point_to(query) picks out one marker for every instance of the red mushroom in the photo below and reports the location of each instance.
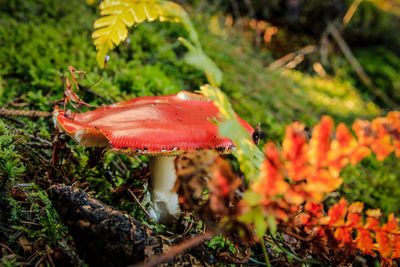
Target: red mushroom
(160, 127)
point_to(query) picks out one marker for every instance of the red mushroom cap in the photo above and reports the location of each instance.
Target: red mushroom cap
(150, 125)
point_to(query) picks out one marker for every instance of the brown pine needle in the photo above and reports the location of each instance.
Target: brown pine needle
(24, 113)
(175, 250)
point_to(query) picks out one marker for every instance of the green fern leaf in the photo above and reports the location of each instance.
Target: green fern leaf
(111, 29)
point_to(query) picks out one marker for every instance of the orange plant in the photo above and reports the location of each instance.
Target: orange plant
(295, 178)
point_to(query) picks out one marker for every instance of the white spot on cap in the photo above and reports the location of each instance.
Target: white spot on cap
(78, 135)
(185, 95)
(55, 115)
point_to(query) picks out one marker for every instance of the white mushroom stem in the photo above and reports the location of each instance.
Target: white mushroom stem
(165, 202)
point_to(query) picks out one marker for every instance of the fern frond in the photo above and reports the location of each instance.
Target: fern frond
(111, 29)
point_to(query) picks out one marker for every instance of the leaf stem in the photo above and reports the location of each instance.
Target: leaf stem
(264, 249)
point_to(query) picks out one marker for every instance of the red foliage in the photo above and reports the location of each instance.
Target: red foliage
(304, 171)
(293, 183)
(346, 221)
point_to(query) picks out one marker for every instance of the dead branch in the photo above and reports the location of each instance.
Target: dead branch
(24, 113)
(174, 251)
(350, 12)
(357, 67)
(291, 57)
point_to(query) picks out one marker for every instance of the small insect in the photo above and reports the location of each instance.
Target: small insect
(257, 134)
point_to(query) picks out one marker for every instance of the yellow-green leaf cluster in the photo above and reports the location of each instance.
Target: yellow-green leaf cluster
(118, 15)
(248, 154)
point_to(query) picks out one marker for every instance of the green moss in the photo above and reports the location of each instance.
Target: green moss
(374, 183)
(335, 96)
(384, 67)
(10, 164)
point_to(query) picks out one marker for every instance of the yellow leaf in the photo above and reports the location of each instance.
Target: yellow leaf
(119, 14)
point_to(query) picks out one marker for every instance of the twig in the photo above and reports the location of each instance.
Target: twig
(175, 250)
(17, 141)
(287, 58)
(119, 168)
(357, 67)
(29, 261)
(140, 204)
(35, 138)
(6, 247)
(23, 125)
(24, 113)
(297, 236)
(32, 223)
(350, 12)
(90, 91)
(38, 145)
(48, 252)
(187, 231)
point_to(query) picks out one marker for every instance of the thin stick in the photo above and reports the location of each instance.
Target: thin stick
(35, 138)
(87, 88)
(358, 68)
(6, 247)
(48, 252)
(175, 250)
(350, 12)
(287, 58)
(140, 204)
(24, 113)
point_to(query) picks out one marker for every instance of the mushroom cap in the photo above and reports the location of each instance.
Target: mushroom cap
(154, 125)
